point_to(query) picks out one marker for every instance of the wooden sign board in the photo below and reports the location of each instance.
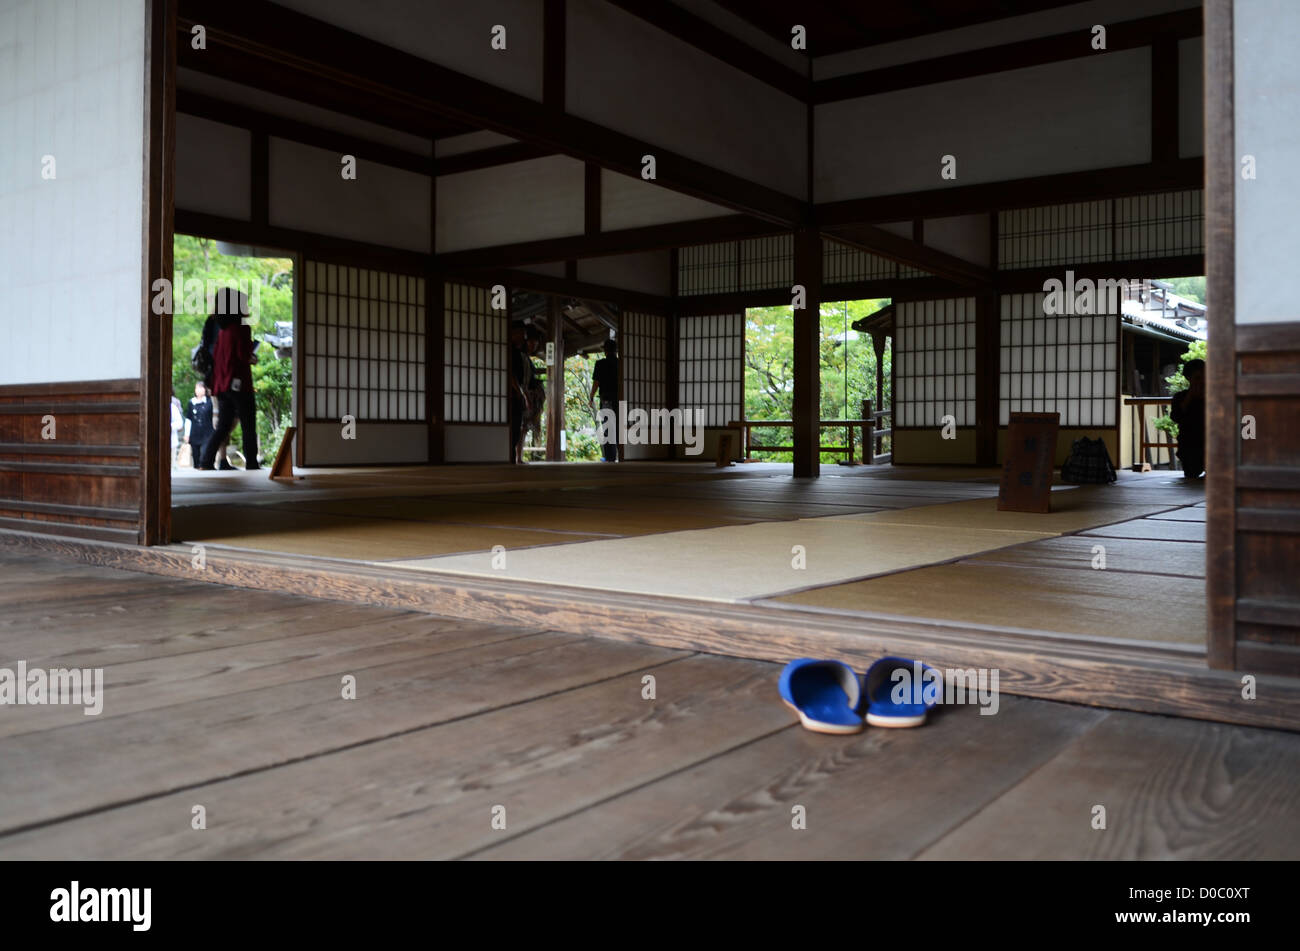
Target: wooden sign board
(283, 467)
(1027, 470)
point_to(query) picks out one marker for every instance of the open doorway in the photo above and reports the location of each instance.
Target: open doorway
(204, 268)
(564, 338)
(855, 379)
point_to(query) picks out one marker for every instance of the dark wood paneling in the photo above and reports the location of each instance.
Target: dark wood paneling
(1266, 498)
(84, 482)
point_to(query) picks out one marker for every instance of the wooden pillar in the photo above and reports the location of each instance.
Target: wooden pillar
(434, 366)
(435, 299)
(987, 340)
(555, 386)
(878, 404)
(807, 353)
(159, 216)
(1223, 422)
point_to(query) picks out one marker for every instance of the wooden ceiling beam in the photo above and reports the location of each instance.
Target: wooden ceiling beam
(383, 77)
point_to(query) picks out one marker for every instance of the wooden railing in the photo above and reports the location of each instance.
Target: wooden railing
(870, 439)
(1141, 444)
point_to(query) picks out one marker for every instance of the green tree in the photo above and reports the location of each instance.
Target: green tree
(848, 369)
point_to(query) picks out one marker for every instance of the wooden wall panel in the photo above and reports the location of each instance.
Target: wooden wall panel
(84, 482)
(1267, 498)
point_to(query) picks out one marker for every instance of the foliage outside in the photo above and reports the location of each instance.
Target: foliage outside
(848, 373)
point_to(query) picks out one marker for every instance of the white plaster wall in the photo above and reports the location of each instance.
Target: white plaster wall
(1044, 120)
(627, 202)
(452, 33)
(376, 443)
(636, 79)
(71, 248)
(213, 169)
(476, 443)
(383, 205)
(649, 272)
(1267, 109)
(965, 237)
(1191, 97)
(506, 204)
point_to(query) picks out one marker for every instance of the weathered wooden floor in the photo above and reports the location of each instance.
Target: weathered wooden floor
(232, 700)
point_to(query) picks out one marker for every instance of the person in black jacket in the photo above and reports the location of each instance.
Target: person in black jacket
(199, 414)
(604, 380)
(1188, 411)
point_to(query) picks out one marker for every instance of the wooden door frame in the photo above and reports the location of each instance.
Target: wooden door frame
(1221, 367)
(158, 226)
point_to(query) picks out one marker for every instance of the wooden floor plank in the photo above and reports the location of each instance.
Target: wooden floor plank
(430, 794)
(186, 677)
(1122, 554)
(56, 773)
(881, 794)
(1154, 529)
(1089, 603)
(1191, 513)
(1171, 788)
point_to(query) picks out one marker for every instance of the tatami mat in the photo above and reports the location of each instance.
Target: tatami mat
(1061, 600)
(736, 562)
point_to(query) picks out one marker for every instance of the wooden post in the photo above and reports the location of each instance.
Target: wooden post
(555, 386)
(807, 353)
(869, 430)
(987, 340)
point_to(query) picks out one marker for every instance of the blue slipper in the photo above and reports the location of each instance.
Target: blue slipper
(899, 693)
(825, 694)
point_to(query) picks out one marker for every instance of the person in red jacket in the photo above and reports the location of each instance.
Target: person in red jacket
(232, 379)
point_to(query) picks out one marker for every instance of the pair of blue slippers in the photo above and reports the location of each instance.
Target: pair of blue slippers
(829, 698)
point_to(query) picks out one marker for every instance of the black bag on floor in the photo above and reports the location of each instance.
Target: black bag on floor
(1089, 463)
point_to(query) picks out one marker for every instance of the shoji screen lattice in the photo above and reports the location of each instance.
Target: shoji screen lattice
(1170, 224)
(1065, 364)
(475, 356)
(934, 362)
(712, 369)
(363, 344)
(643, 343)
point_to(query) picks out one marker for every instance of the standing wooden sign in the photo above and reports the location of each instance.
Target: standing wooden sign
(1027, 469)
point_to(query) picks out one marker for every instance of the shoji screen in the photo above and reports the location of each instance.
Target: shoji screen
(1154, 226)
(712, 370)
(1065, 364)
(934, 362)
(767, 263)
(1170, 224)
(475, 356)
(643, 344)
(363, 344)
(707, 269)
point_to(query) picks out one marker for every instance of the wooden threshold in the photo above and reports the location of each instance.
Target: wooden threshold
(1145, 678)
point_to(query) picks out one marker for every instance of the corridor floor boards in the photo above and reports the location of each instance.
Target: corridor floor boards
(453, 719)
